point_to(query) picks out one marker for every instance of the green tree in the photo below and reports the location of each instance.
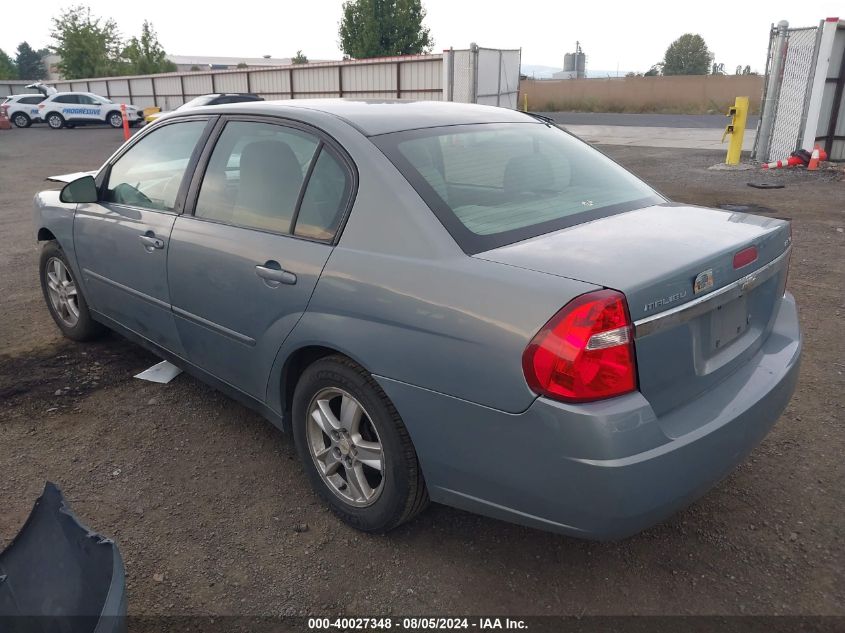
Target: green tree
(88, 46)
(654, 71)
(242, 65)
(376, 28)
(687, 55)
(29, 63)
(7, 66)
(145, 55)
(299, 58)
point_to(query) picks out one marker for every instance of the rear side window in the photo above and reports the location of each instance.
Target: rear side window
(495, 184)
(150, 173)
(255, 174)
(31, 100)
(274, 178)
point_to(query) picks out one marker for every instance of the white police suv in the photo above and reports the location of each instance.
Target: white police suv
(67, 109)
(22, 110)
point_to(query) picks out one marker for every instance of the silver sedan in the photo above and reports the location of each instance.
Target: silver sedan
(443, 302)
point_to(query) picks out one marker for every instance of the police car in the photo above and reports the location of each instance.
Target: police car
(22, 110)
(67, 109)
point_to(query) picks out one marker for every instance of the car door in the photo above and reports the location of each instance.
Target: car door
(242, 267)
(121, 241)
(90, 109)
(66, 105)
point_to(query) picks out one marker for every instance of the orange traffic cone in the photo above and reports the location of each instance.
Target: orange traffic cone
(814, 160)
(792, 161)
(5, 124)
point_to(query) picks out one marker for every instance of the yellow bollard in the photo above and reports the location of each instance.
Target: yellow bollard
(525, 102)
(736, 128)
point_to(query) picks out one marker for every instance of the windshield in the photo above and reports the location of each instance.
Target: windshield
(495, 184)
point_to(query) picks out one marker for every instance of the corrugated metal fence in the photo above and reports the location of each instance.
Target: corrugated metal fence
(402, 77)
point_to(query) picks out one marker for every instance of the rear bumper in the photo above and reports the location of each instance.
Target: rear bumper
(602, 470)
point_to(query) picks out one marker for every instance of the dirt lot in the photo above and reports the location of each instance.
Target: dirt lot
(204, 497)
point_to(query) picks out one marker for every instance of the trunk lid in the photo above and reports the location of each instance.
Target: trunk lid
(654, 256)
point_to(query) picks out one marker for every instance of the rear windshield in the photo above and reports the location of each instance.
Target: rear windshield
(494, 184)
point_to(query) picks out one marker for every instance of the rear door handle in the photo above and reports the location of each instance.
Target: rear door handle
(150, 241)
(272, 273)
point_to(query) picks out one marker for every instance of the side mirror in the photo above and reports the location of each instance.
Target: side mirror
(80, 190)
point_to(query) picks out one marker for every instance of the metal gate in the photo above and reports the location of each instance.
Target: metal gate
(830, 132)
(790, 66)
(803, 96)
(489, 76)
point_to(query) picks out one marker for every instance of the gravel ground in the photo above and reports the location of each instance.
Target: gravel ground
(214, 516)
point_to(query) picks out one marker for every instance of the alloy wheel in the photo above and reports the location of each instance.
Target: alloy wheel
(345, 447)
(63, 293)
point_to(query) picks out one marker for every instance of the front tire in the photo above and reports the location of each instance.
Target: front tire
(115, 119)
(355, 449)
(64, 297)
(20, 119)
(55, 120)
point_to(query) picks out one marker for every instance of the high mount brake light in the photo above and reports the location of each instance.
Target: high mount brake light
(585, 352)
(745, 256)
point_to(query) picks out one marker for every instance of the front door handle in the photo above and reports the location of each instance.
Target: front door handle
(150, 241)
(273, 275)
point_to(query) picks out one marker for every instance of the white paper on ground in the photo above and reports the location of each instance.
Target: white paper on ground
(162, 372)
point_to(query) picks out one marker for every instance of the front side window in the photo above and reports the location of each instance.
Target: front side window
(66, 99)
(495, 184)
(150, 173)
(255, 175)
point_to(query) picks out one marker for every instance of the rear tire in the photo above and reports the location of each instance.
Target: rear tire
(369, 474)
(64, 297)
(20, 119)
(55, 121)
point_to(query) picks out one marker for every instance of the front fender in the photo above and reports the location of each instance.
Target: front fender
(56, 217)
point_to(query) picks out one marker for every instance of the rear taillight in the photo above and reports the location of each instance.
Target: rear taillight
(586, 351)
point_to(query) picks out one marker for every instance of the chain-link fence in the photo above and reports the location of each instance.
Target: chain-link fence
(794, 90)
(489, 76)
(789, 75)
